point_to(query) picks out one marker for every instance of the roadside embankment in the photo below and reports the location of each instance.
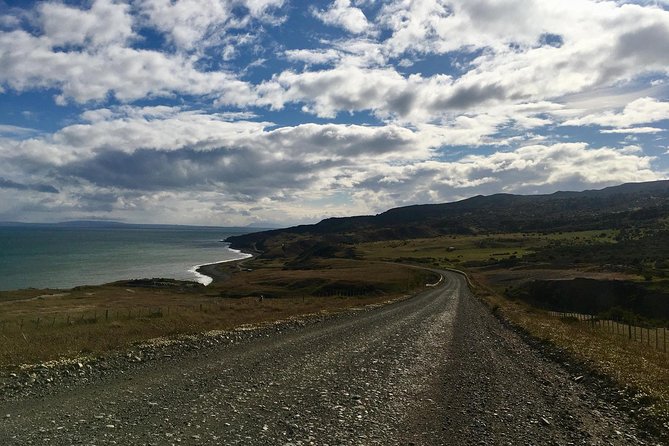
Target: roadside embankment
(632, 375)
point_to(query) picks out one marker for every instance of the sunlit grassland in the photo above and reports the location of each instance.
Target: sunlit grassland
(455, 249)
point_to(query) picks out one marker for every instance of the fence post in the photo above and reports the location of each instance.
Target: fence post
(107, 314)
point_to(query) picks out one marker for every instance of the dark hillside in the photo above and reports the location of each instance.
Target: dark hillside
(624, 206)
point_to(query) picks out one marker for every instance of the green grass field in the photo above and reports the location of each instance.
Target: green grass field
(457, 249)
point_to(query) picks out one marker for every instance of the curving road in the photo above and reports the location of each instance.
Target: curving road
(436, 369)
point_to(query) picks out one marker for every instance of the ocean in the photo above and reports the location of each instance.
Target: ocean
(61, 256)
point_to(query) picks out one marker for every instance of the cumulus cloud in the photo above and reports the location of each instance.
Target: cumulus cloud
(510, 64)
(89, 54)
(28, 62)
(641, 111)
(123, 155)
(168, 129)
(517, 49)
(9, 184)
(634, 130)
(313, 57)
(194, 109)
(530, 169)
(106, 22)
(341, 13)
(188, 23)
(326, 92)
(390, 96)
(563, 164)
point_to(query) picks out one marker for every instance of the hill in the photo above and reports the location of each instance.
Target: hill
(624, 206)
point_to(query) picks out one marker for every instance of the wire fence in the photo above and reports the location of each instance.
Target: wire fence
(652, 337)
(101, 315)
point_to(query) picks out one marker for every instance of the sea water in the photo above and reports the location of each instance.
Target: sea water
(64, 257)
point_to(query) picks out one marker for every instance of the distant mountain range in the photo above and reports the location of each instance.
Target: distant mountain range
(617, 206)
(108, 224)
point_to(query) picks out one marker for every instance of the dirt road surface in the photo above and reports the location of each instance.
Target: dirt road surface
(436, 369)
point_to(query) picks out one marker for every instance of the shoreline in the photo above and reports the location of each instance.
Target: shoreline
(207, 273)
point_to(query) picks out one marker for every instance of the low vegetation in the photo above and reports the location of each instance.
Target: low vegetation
(322, 278)
(39, 325)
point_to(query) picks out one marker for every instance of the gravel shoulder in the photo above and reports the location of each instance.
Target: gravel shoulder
(436, 369)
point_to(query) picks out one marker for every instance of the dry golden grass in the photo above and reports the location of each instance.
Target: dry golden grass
(40, 343)
(39, 325)
(629, 364)
(326, 277)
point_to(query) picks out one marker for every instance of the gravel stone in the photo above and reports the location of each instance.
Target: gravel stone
(435, 369)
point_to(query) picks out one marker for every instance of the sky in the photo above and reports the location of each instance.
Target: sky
(259, 112)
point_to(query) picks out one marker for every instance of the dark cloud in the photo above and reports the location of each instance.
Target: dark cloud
(97, 201)
(333, 140)
(245, 174)
(403, 103)
(9, 184)
(646, 45)
(466, 97)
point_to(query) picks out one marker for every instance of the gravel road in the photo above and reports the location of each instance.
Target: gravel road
(436, 369)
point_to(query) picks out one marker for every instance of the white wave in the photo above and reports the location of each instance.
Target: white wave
(206, 280)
